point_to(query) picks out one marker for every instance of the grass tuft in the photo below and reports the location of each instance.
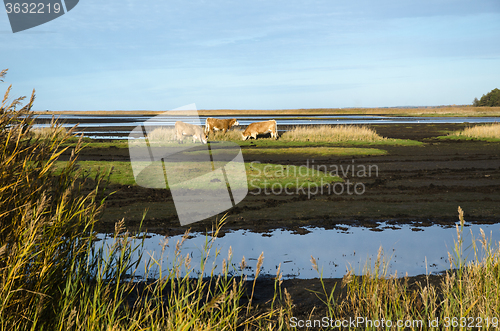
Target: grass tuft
(53, 131)
(326, 133)
(162, 134)
(488, 131)
(232, 134)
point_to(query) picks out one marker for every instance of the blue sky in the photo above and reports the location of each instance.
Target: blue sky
(159, 55)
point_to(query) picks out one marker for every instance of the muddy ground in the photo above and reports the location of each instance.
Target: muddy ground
(417, 185)
(421, 185)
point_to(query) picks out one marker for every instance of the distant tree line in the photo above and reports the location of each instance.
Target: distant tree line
(492, 99)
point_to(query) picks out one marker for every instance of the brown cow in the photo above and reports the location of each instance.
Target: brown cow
(186, 129)
(212, 124)
(257, 128)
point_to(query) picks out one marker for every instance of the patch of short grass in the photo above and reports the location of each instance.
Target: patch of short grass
(89, 143)
(316, 151)
(282, 143)
(305, 151)
(119, 172)
(261, 142)
(261, 174)
(277, 176)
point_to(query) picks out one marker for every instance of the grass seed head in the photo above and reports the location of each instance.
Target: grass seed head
(243, 263)
(260, 260)
(314, 263)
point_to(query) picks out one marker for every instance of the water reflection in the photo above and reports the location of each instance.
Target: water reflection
(406, 248)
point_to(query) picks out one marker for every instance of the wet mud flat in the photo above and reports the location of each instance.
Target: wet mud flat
(420, 185)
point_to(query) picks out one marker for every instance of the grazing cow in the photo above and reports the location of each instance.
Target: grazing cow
(212, 124)
(186, 129)
(257, 128)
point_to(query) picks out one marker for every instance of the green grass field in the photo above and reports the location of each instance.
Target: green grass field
(259, 175)
(464, 138)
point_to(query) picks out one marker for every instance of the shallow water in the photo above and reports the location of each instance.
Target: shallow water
(90, 124)
(406, 249)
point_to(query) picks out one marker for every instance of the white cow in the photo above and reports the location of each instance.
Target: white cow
(186, 129)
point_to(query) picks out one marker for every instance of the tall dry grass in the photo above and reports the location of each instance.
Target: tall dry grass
(467, 297)
(167, 134)
(174, 298)
(327, 133)
(162, 134)
(230, 135)
(54, 276)
(45, 219)
(488, 131)
(53, 131)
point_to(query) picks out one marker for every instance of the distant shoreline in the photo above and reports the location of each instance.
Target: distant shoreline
(454, 111)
